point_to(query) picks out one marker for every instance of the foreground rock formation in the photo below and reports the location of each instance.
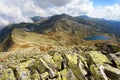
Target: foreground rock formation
(76, 63)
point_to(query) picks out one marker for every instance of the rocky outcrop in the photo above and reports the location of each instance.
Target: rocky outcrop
(108, 47)
(59, 64)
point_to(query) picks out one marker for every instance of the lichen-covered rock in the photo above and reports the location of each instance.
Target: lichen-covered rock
(67, 74)
(44, 76)
(39, 66)
(117, 54)
(35, 76)
(22, 70)
(7, 74)
(49, 60)
(96, 57)
(52, 71)
(111, 72)
(82, 67)
(107, 47)
(115, 59)
(65, 64)
(73, 65)
(23, 73)
(58, 60)
(83, 60)
(115, 47)
(98, 72)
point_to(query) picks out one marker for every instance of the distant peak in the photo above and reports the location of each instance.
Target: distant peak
(36, 18)
(62, 16)
(83, 16)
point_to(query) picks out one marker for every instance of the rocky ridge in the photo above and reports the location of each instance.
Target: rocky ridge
(73, 63)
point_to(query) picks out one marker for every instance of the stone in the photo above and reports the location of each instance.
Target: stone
(115, 59)
(115, 47)
(111, 72)
(8, 74)
(96, 57)
(58, 60)
(98, 73)
(52, 72)
(39, 65)
(73, 65)
(67, 74)
(49, 60)
(107, 47)
(82, 68)
(83, 60)
(117, 54)
(22, 71)
(44, 76)
(34, 74)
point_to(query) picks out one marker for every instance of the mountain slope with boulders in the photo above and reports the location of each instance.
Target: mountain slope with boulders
(54, 48)
(61, 63)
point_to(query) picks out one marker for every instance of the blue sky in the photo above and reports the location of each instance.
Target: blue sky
(108, 9)
(105, 2)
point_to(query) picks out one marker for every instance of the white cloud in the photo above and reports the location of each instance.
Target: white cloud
(74, 7)
(16, 11)
(113, 12)
(3, 22)
(108, 12)
(45, 3)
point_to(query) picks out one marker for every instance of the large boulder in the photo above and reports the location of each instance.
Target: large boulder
(98, 72)
(111, 72)
(22, 72)
(115, 59)
(7, 74)
(44, 76)
(73, 64)
(96, 57)
(39, 66)
(57, 57)
(117, 54)
(107, 47)
(67, 74)
(34, 74)
(51, 70)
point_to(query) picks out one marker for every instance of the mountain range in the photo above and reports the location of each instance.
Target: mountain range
(61, 47)
(62, 29)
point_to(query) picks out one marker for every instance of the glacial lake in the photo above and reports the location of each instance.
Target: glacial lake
(97, 38)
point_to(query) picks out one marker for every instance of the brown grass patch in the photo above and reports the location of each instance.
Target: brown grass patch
(2, 58)
(45, 48)
(25, 46)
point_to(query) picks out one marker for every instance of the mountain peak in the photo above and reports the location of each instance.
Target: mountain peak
(61, 16)
(84, 17)
(36, 18)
